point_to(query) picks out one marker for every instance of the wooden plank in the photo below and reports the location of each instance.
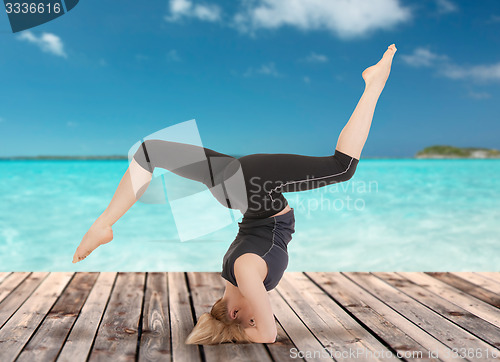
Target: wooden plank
(155, 337)
(280, 350)
(17, 297)
(79, 341)
(11, 282)
(468, 321)
(3, 275)
(456, 296)
(468, 287)
(495, 276)
(118, 333)
(410, 341)
(480, 280)
(50, 336)
(19, 328)
(304, 340)
(332, 326)
(181, 319)
(447, 332)
(205, 289)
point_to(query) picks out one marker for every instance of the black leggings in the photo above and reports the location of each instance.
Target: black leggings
(252, 184)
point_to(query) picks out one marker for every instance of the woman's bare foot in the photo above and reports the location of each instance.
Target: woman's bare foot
(376, 75)
(97, 235)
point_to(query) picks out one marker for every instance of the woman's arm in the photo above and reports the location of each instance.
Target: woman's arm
(250, 271)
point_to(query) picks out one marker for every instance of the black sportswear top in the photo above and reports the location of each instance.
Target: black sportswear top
(268, 238)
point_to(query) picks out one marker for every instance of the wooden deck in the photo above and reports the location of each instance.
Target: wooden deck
(348, 316)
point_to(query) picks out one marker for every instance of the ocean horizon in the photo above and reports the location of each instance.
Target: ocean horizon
(403, 214)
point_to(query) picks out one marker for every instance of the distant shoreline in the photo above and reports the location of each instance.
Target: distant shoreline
(63, 158)
(119, 158)
(104, 158)
(66, 158)
(432, 152)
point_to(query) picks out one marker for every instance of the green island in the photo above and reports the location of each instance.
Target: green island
(440, 151)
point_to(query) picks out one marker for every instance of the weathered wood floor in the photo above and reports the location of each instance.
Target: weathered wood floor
(341, 316)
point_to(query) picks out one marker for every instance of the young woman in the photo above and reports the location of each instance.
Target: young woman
(257, 258)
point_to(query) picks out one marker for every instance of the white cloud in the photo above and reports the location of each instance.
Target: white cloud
(186, 8)
(47, 42)
(71, 124)
(477, 72)
(316, 58)
(446, 6)
(494, 19)
(180, 6)
(173, 56)
(2, 120)
(265, 69)
(346, 18)
(307, 80)
(479, 95)
(423, 57)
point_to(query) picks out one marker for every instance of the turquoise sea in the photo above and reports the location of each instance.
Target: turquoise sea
(394, 214)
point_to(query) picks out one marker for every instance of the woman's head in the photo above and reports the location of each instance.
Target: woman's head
(218, 326)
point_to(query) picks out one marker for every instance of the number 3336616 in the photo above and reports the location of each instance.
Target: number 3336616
(32, 8)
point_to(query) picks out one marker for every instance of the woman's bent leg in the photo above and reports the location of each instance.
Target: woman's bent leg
(189, 161)
(131, 187)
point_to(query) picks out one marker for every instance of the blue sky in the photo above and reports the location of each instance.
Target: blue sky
(257, 75)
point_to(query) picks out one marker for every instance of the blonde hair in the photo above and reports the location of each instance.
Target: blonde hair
(216, 327)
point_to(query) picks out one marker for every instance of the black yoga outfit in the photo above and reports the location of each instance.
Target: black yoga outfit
(268, 238)
(254, 185)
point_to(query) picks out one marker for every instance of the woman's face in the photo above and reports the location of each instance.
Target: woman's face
(243, 314)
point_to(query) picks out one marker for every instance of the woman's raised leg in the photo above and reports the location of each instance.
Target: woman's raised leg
(354, 134)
